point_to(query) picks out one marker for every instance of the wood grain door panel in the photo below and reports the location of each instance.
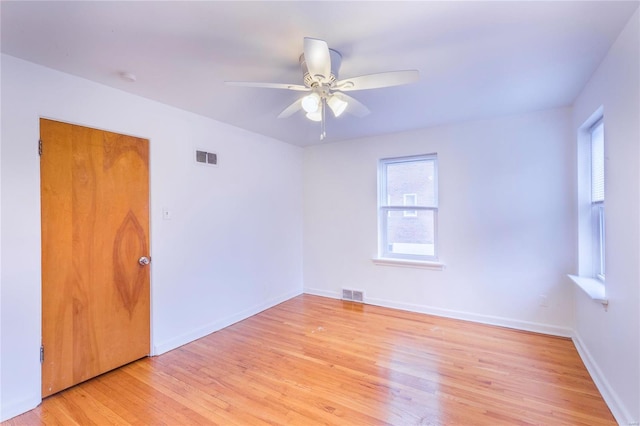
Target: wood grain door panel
(95, 227)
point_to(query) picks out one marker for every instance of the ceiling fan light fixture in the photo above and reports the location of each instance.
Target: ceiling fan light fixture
(315, 115)
(311, 103)
(320, 66)
(337, 105)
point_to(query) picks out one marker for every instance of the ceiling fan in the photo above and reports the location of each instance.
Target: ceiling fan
(320, 66)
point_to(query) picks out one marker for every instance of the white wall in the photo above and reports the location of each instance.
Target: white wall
(609, 340)
(505, 221)
(233, 247)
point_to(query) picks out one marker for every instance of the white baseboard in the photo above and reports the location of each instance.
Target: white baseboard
(621, 414)
(323, 293)
(20, 407)
(220, 324)
(467, 316)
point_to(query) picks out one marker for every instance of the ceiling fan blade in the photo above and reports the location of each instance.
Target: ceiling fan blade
(354, 106)
(318, 59)
(296, 87)
(375, 81)
(291, 109)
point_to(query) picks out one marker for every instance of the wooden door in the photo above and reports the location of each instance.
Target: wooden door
(95, 228)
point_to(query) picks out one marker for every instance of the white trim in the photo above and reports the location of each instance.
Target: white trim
(594, 288)
(535, 327)
(323, 293)
(434, 265)
(620, 413)
(218, 325)
(479, 318)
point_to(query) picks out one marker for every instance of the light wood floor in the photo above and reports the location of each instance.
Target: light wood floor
(313, 360)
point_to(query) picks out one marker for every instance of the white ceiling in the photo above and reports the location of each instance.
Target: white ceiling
(476, 59)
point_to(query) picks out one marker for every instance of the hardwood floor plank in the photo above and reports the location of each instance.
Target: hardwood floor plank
(317, 361)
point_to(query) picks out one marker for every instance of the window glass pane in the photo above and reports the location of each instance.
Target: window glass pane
(597, 163)
(410, 232)
(414, 178)
(600, 243)
(410, 200)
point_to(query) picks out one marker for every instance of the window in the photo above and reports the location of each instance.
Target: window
(408, 233)
(597, 198)
(591, 209)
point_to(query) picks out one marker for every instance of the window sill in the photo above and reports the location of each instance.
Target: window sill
(433, 265)
(592, 287)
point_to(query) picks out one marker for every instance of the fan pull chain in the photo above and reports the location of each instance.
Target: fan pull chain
(323, 130)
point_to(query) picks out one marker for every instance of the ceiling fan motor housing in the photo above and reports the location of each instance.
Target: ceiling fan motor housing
(336, 61)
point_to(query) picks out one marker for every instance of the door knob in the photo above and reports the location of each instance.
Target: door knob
(144, 260)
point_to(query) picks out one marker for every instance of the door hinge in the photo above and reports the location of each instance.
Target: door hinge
(40, 147)
(41, 354)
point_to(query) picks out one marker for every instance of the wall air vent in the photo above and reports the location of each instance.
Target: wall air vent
(206, 158)
(353, 295)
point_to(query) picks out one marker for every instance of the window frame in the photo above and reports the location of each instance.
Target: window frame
(385, 208)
